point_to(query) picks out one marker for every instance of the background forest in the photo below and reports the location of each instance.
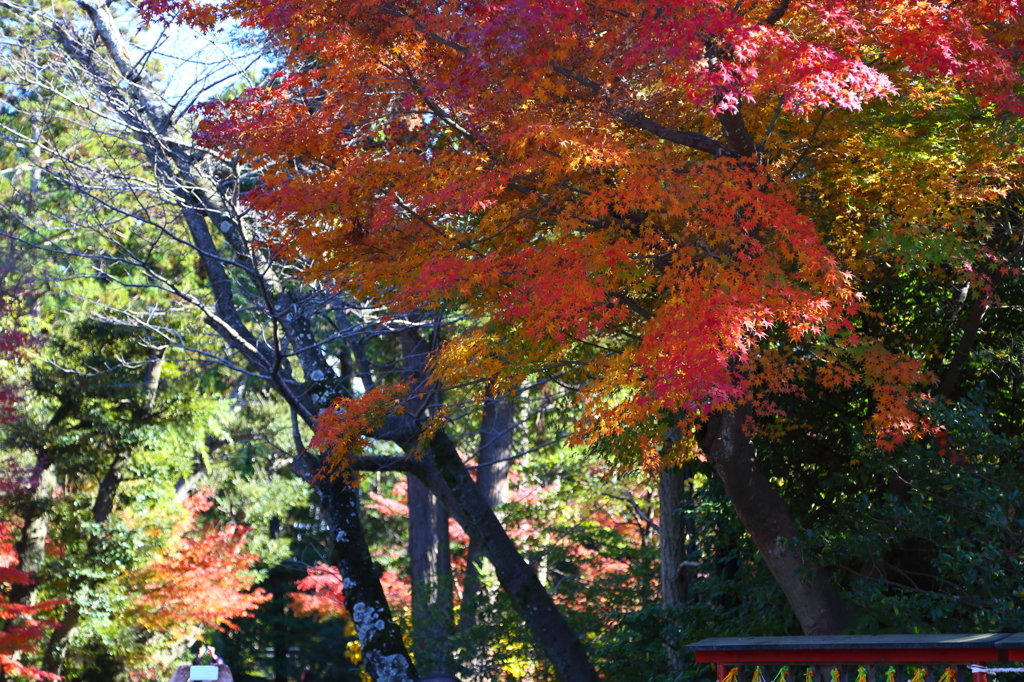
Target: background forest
(372, 340)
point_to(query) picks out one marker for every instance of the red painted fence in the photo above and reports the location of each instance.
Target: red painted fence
(840, 653)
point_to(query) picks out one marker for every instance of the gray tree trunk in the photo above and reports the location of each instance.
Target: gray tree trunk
(431, 573)
(384, 653)
(493, 456)
(493, 465)
(31, 547)
(808, 589)
(672, 487)
(429, 549)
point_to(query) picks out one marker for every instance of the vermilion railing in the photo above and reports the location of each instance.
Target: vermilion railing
(859, 658)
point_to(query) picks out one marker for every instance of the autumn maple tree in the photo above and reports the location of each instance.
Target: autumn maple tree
(203, 577)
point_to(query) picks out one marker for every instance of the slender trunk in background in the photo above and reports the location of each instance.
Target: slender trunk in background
(971, 326)
(493, 457)
(151, 379)
(31, 548)
(493, 464)
(808, 589)
(280, 629)
(672, 488)
(430, 567)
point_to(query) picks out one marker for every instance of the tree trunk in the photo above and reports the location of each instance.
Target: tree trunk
(493, 464)
(107, 492)
(496, 431)
(31, 548)
(549, 628)
(672, 535)
(971, 326)
(672, 547)
(763, 513)
(384, 655)
(280, 630)
(52, 656)
(432, 585)
(151, 379)
(429, 552)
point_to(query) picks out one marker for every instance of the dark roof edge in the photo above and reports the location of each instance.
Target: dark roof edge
(950, 641)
